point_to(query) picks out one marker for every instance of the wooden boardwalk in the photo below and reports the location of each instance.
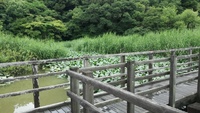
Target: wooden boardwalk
(185, 92)
(141, 91)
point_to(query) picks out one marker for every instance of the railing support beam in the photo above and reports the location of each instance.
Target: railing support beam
(198, 86)
(86, 62)
(88, 93)
(150, 66)
(74, 87)
(130, 85)
(189, 59)
(172, 80)
(122, 70)
(35, 82)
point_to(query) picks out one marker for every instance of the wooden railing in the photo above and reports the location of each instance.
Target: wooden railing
(127, 75)
(132, 79)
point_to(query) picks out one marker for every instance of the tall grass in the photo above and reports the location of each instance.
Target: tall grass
(20, 49)
(111, 43)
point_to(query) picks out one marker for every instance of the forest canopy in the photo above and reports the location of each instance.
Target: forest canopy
(72, 19)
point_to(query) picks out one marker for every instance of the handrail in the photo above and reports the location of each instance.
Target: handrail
(31, 76)
(39, 61)
(95, 68)
(102, 67)
(92, 57)
(84, 103)
(33, 90)
(151, 61)
(140, 101)
(143, 53)
(188, 56)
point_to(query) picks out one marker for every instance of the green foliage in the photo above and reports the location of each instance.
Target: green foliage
(72, 19)
(15, 49)
(49, 28)
(190, 18)
(33, 19)
(112, 43)
(20, 49)
(190, 4)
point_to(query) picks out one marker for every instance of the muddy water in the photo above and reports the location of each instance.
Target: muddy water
(22, 103)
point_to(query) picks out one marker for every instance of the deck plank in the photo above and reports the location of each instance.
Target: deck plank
(47, 111)
(54, 111)
(182, 90)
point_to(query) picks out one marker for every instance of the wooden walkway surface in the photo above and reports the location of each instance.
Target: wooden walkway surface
(171, 68)
(184, 91)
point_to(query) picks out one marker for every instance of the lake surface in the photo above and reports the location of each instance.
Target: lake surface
(21, 103)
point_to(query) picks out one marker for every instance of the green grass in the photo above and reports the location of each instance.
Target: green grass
(15, 48)
(111, 43)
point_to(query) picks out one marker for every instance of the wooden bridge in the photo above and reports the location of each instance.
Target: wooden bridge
(170, 82)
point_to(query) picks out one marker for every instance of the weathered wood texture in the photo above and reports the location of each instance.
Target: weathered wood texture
(32, 76)
(114, 106)
(35, 82)
(198, 86)
(150, 66)
(172, 81)
(152, 61)
(93, 57)
(130, 76)
(33, 90)
(74, 88)
(130, 84)
(187, 56)
(47, 107)
(151, 70)
(98, 68)
(86, 62)
(122, 70)
(143, 53)
(85, 104)
(88, 91)
(128, 96)
(189, 59)
(38, 62)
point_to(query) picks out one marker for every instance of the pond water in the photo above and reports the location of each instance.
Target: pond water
(22, 103)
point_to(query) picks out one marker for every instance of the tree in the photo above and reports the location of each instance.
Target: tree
(190, 4)
(190, 18)
(34, 19)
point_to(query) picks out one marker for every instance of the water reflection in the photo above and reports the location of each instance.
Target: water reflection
(19, 104)
(19, 108)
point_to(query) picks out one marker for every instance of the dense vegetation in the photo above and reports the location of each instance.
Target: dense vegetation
(71, 19)
(13, 49)
(19, 49)
(115, 25)
(112, 43)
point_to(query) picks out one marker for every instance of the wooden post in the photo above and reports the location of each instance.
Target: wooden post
(150, 66)
(189, 59)
(86, 62)
(122, 70)
(88, 89)
(172, 82)
(74, 87)
(198, 85)
(35, 83)
(130, 84)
